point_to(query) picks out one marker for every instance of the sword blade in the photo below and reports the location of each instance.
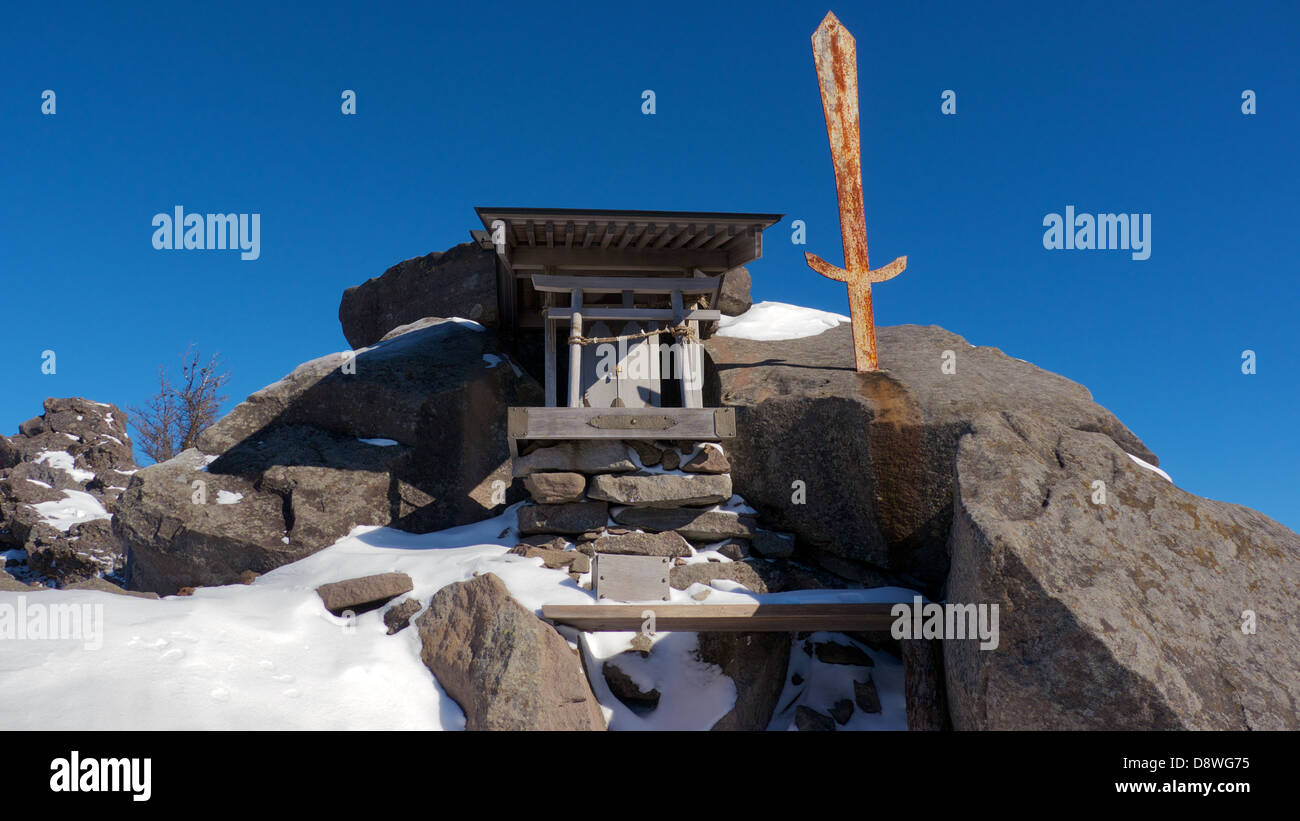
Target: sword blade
(836, 55)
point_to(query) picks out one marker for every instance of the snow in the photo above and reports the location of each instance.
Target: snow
(225, 497)
(491, 359)
(825, 684)
(771, 321)
(62, 460)
(381, 443)
(75, 508)
(1151, 468)
(41, 484)
(269, 656)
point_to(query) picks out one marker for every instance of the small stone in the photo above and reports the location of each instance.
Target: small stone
(186, 591)
(644, 544)
(661, 489)
(684, 576)
(809, 720)
(555, 488)
(833, 652)
(671, 460)
(581, 563)
(585, 456)
(247, 577)
(648, 453)
(842, 711)
(553, 559)
(398, 617)
(708, 460)
(364, 593)
(573, 517)
(701, 594)
(626, 690)
(733, 549)
(696, 525)
(544, 540)
(773, 545)
(104, 586)
(796, 679)
(864, 692)
(641, 643)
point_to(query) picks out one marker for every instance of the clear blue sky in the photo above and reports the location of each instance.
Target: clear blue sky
(1132, 107)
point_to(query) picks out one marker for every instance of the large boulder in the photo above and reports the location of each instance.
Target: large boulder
(505, 667)
(1117, 612)
(409, 432)
(60, 479)
(461, 281)
(859, 466)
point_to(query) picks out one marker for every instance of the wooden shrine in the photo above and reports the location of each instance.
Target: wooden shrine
(619, 297)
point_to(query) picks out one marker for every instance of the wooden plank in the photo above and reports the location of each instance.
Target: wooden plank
(771, 618)
(661, 314)
(700, 424)
(615, 284)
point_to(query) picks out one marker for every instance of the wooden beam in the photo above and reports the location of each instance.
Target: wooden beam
(589, 235)
(616, 285)
(623, 258)
(693, 618)
(629, 234)
(669, 234)
(722, 238)
(568, 235)
(646, 240)
(550, 235)
(700, 424)
(532, 233)
(625, 314)
(704, 236)
(610, 230)
(685, 236)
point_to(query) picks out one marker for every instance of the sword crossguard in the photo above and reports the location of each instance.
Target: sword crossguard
(838, 274)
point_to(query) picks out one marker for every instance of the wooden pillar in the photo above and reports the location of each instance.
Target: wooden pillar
(575, 351)
(551, 353)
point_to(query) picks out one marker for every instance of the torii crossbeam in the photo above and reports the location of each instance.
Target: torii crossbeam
(836, 55)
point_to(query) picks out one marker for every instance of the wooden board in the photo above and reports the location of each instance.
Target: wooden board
(616, 284)
(772, 618)
(637, 385)
(599, 379)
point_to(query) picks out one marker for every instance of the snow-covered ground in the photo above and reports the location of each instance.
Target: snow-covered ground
(771, 321)
(269, 656)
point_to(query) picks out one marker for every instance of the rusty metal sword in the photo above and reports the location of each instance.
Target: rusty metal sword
(836, 54)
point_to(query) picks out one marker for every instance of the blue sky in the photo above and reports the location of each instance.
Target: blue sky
(1110, 107)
